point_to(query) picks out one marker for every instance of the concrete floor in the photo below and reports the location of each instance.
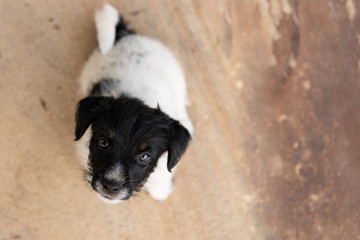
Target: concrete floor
(274, 86)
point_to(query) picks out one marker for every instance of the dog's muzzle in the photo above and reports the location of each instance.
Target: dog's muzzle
(112, 191)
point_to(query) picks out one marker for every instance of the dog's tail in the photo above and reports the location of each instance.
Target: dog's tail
(110, 27)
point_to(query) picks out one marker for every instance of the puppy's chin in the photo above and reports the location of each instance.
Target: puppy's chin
(124, 195)
(107, 200)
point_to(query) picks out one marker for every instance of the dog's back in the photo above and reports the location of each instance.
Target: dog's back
(135, 65)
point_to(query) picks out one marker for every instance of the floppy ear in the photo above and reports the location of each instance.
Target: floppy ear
(178, 142)
(85, 114)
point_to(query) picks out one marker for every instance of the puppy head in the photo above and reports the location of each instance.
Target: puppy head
(127, 140)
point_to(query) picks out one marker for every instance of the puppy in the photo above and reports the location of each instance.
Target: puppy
(132, 126)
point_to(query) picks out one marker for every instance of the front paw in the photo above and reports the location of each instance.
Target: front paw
(160, 192)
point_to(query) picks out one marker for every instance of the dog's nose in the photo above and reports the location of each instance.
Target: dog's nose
(112, 187)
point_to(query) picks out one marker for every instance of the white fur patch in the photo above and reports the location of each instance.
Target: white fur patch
(116, 173)
(82, 148)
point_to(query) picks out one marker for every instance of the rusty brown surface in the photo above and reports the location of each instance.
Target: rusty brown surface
(274, 87)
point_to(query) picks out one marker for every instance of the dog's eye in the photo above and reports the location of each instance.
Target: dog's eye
(103, 143)
(145, 158)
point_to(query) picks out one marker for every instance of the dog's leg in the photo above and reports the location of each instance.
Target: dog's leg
(160, 183)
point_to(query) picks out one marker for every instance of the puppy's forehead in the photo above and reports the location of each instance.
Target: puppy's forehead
(131, 120)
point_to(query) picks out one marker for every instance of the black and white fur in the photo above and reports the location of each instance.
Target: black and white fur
(132, 125)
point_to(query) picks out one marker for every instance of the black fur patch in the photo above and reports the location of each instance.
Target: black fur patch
(104, 87)
(122, 30)
(131, 124)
